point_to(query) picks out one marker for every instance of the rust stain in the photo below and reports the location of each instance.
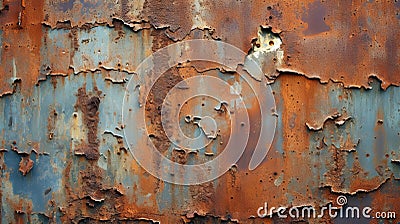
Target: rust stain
(22, 36)
(25, 165)
(153, 108)
(88, 105)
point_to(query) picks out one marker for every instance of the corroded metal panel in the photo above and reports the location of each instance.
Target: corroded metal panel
(333, 68)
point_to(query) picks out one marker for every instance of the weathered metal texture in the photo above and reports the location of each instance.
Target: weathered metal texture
(64, 68)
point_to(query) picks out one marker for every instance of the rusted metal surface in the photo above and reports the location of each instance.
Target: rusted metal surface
(64, 66)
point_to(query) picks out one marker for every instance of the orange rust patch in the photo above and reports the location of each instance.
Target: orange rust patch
(89, 104)
(25, 165)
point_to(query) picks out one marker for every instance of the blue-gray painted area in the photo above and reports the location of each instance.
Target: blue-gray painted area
(124, 49)
(369, 138)
(26, 125)
(36, 184)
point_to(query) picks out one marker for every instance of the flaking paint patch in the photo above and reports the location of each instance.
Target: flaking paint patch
(237, 182)
(345, 47)
(266, 51)
(319, 126)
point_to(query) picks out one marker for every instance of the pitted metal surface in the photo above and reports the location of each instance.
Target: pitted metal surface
(65, 65)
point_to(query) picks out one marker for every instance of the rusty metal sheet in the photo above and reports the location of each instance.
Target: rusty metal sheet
(66, 67)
